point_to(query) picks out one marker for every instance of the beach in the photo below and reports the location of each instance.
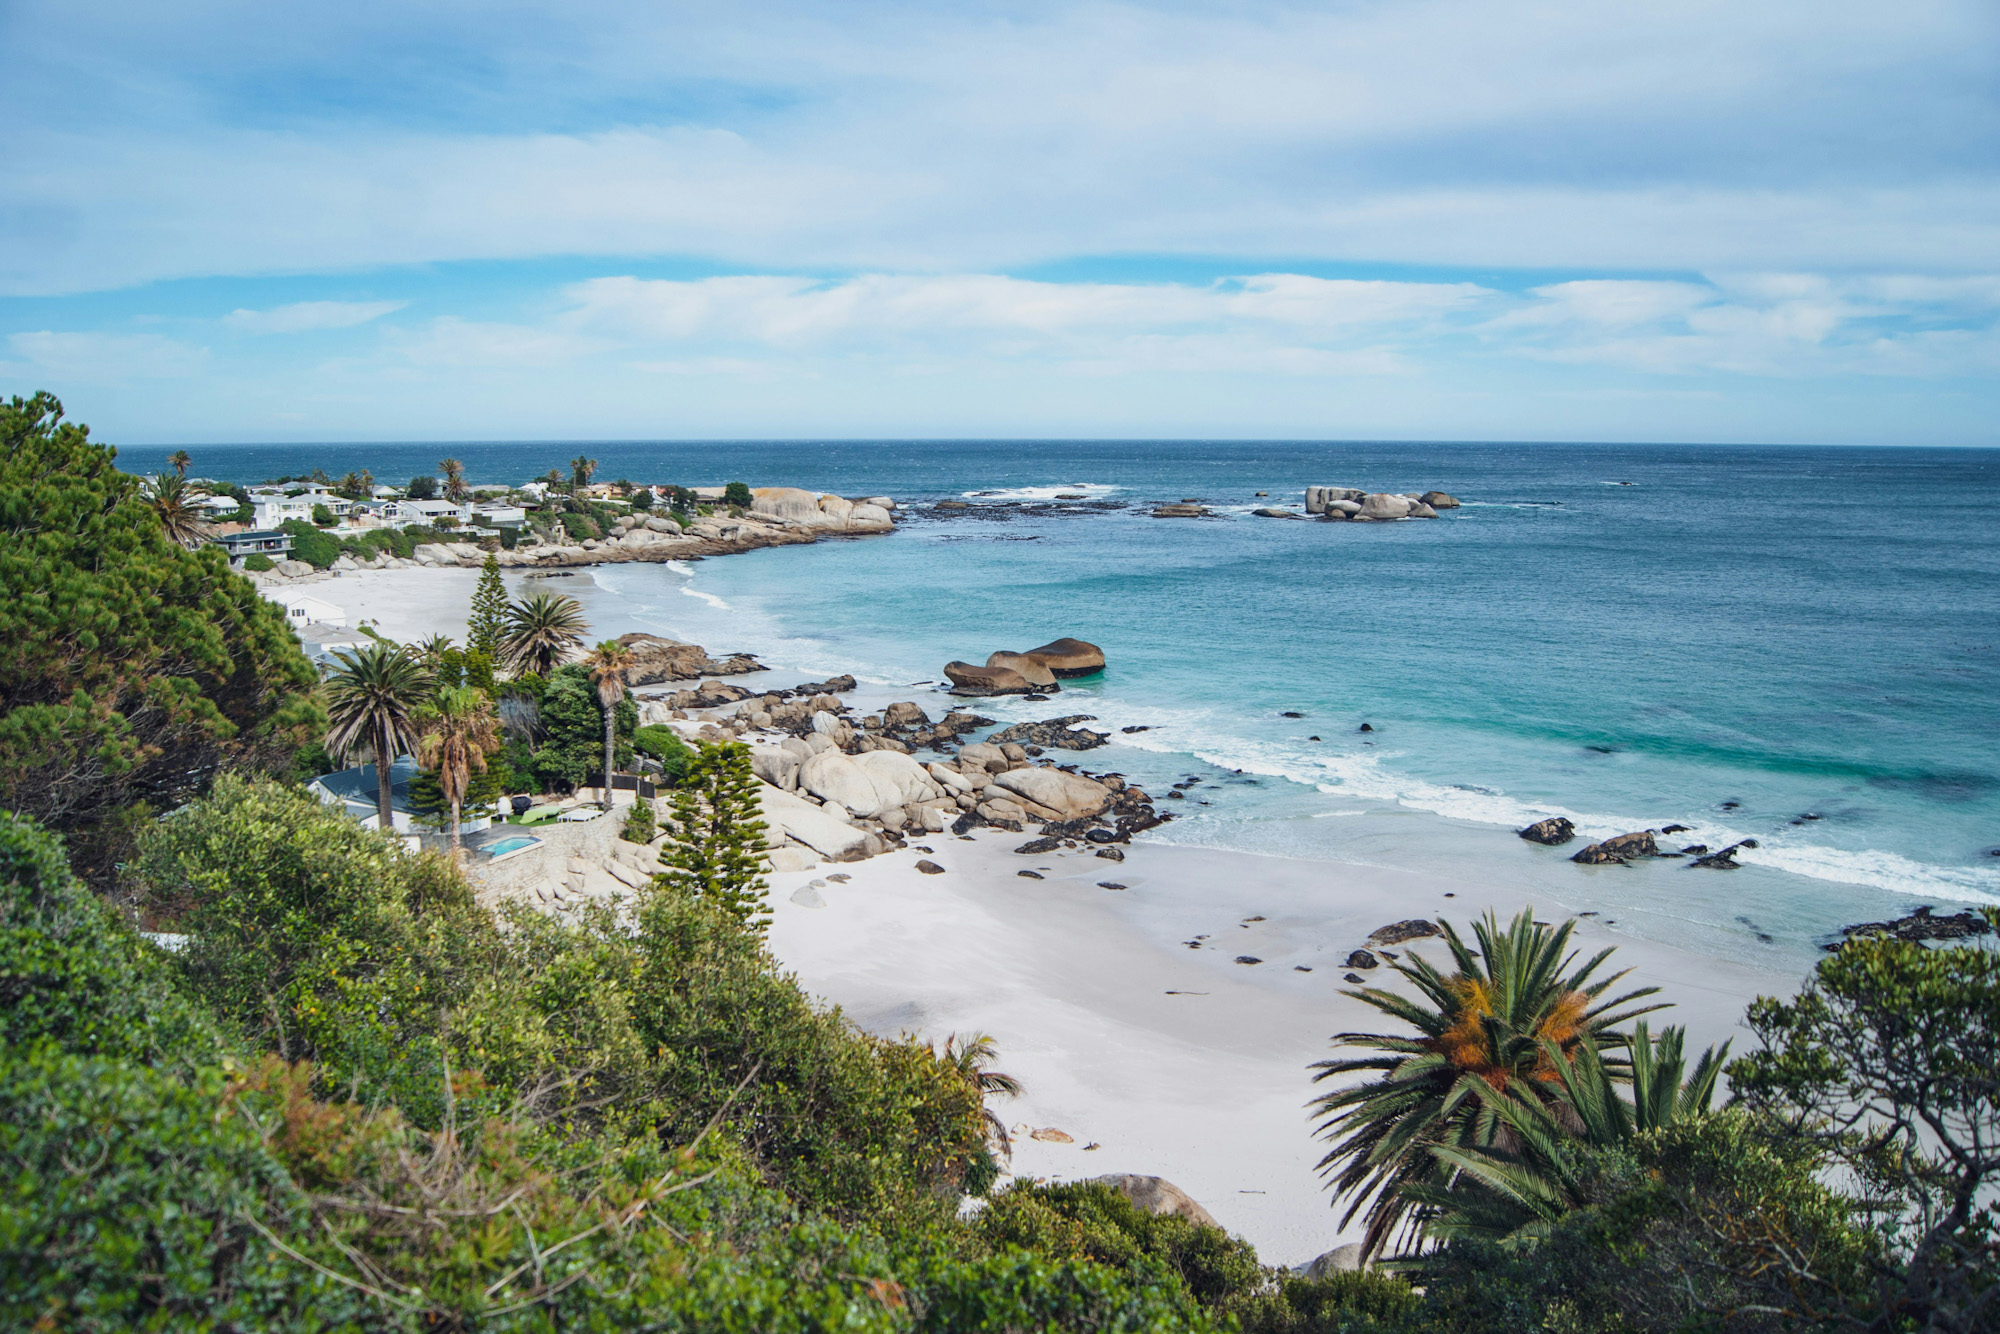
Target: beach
(1172, 1061)
(1151, 1057)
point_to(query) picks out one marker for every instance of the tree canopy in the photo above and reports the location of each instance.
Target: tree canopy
(131, 669)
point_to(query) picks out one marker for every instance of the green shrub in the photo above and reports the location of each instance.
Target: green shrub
(311, 935)
(580, 526)
(129, 1202)
(664, 744)
(737, 494)
(640, 826)
(1351, 1302)
(324, 516)
(572, 721)
(1085, 1221)
(259, 562)
(74, 976)
(310, 545)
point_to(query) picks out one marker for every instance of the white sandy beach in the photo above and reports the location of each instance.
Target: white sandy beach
(1172, 1061)
(1077, 984)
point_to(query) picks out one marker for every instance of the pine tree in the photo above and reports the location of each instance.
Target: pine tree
(716, 838)
(489, 610)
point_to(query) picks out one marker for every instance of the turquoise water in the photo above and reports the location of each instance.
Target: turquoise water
(513, 843)
(1631, 636)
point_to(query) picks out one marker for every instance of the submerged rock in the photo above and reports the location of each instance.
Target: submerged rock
(1920, 925)
(1619, 850)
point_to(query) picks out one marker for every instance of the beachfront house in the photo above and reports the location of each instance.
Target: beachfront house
(269, 509)
(302, 608)
(497, 514)
(432, 511)
(353, 790)
(254, 542)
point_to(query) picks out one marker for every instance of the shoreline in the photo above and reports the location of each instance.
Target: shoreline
(1208, 1088)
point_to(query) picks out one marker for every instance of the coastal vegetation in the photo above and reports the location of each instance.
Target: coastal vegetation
(332, 1090)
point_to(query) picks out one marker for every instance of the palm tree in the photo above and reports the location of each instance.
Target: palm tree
(179, 461)
(432, 650)
(459, 733)
(455, 489)
(607, 663)
(580, 469)
(172, 499)
(1488, 1025)
(372, 699)
(967, 1055)
(541, 631)
(1513, 1195)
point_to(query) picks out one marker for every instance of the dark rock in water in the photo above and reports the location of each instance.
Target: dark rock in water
(1137, 727)
(1438, 500)
(1177, 795)
(1694, 849)
(1354, 978)
(1184, 510)
(1366, 727)
(1035, 847)
(951, 505)
(1552, 832)
(1061, 733)
(1731, 805)
(1112, 854)
(1029, 875)
(1725, 859)
(930, 868)
(1288, 713)
(1101, 835)
(1415, 928)
(1920, 926)
(1300, 968)
(1674, 829)
(1361, 959)
(1619, 850)
(1248, 958)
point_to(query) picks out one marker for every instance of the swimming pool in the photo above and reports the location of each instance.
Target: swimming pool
(510, 846)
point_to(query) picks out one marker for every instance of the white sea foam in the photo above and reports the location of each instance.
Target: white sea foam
(1095, 490)
(710, 598)
(1372, 777)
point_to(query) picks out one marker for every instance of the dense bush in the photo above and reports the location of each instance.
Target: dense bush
(131, 669)
(572, 722)
(664, 744)
(1085, 1221)
(259, 562)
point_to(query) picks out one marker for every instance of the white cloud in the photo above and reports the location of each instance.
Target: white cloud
(105, 358)
(310, 316)
(1692, 135)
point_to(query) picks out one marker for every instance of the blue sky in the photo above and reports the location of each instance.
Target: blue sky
(1466, 219)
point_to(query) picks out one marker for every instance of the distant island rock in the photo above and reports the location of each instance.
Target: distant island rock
(1349, 504)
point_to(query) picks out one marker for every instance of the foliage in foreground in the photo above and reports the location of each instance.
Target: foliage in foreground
(159, 1179)
(132, 669)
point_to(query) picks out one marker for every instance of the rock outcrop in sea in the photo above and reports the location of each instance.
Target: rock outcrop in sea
(1352, 504)
(1033, 672)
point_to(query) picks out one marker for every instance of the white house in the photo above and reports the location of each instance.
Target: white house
(433, 510)
(495, 514)
(272, 511)
(302, 607)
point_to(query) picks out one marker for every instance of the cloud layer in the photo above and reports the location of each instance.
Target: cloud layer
(1435, 216)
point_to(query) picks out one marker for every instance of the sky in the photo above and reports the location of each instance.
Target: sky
(1672, 220)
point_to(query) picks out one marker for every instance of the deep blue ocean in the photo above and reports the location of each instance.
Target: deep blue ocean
(1799, 645)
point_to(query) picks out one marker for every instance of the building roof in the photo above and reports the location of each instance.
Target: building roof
(357, 786)
(255, 535)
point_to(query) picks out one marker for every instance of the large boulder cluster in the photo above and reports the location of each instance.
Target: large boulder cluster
(793, 507)
(1348, 504)
(1035, 672)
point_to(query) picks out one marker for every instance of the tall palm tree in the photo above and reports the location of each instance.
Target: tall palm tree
(459, 732)
(541, 631)
(968, 1054)
(179, 461)
(1516, 1194)
(173, 500)
(455, 489)
(607, 663)
(372, 699)
(1490, 1025)
(580, 469)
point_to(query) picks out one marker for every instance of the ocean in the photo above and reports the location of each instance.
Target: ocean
(1796, 645)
